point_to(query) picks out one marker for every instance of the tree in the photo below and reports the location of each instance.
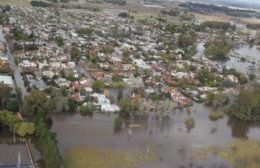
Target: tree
(36, 101)
(12, 105)
(84, 32)
(26, 128)
(118, 123)
(98, 85)
(123, 14)
(87, 109)
(38, 105)
(128, 107)
(59, 41)
(5, 93)
(247, 104)
(218, 50)
(75, 54)
(186, 40)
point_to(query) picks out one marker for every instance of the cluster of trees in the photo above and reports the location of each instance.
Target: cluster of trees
(4, 18)
(218, 25)
(84, 31)
(218, 50)
(123, 14)
(59, 41)
(247, 104)
(208, 78)
(9, 119)
(170, 12)
(180, 28)
(128, 109)
(75, 54)
(98, 85)
(116, 2)
(253, 26)
(19, 35)
(39, 4)
(8, 100)
(186, 40)
(39, 107)
(62, 1)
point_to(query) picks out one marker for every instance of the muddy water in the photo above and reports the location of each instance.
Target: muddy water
(170, 139)
(251, 53)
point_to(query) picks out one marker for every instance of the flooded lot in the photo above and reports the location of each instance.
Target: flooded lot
(9, 154)
(170, 140)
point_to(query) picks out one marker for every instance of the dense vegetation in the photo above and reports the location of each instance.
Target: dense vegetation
(218, 50)
(84, 31)
(39, 4)
(247, 104)
(19, 35)
(253, 26)
(116, 2)
(218, 25)
(170, 12)
(38, 105)
(9, 119)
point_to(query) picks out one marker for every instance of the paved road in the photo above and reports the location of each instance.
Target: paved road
(17, 70)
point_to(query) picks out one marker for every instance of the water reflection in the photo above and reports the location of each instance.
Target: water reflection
(239, 129)
(167, 136)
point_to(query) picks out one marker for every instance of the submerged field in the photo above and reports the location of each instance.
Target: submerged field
(104, 158)
(240, 153)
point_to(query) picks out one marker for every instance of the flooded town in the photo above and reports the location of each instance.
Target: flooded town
(129, 84)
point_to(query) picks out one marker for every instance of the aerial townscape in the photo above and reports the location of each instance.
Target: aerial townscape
(129, 84)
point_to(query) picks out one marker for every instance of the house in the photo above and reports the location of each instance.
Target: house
(105, 104)
(7, 80)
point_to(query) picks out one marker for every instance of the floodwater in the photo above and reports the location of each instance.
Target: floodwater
(251, 53)
(172, 141)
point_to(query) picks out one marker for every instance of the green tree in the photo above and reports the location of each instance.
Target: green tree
(218, 50)
(26, 128)
(247, 104)
(75, 54)
(98, 85)
(186, 40)
(118, 123)
(5, 93)
(128, 107)
(87, 109)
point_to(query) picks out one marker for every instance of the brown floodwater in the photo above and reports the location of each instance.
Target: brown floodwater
(171, 141)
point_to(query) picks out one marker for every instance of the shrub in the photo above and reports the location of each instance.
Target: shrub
(87, 109)
(190, 122)
(214, 116)
(118, 123)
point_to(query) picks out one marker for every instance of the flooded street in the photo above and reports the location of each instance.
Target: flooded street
(251, 53)
(172, 142)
